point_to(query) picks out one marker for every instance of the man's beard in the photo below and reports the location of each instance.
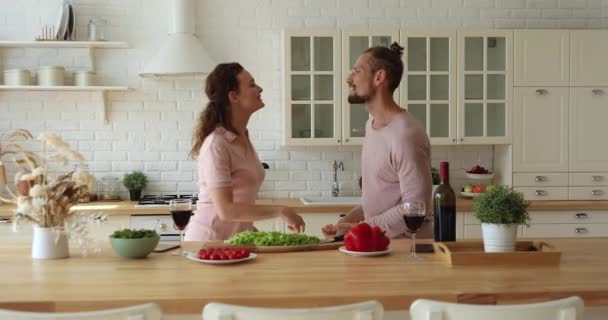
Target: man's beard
(354, 98)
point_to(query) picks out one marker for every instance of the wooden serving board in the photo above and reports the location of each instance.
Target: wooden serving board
(471, 253)
(276, 249)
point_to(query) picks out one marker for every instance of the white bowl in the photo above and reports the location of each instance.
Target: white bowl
(476, 176)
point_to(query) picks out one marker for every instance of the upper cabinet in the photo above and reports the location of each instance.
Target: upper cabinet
(312, 88)
(485, 63)
(588, 54)
(428, 88)
(542, 58)
(354, 116)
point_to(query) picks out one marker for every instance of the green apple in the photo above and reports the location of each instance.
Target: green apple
(489, 187)
(468, 188)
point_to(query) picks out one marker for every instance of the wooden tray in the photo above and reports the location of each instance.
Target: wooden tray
(274, 249)
(471, 253)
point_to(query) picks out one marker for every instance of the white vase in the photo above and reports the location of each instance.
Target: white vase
(49, 243)
(499, 237)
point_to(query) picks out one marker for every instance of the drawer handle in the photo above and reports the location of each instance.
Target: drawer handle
(581, 230)
(597, 91)
(597, 178)
(597, 192)
(541, 92)
(540, 193)
(100, 219)
(540, 178)
(581, 215)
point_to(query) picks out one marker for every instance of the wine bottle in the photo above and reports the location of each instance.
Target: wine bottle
(444, 206)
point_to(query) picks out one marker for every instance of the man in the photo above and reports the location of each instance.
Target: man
(395, 162)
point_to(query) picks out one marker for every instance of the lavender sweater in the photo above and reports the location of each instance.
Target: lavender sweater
(396, 164)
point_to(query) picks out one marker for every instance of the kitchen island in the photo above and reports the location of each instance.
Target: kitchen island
(298, 279)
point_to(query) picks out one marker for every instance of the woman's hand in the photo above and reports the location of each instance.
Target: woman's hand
(293, 220)
(340, 228)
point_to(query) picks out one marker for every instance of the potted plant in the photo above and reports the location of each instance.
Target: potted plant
(45, 200)
(134, 244)
(501, 210)
(135, 182)
(436, 178)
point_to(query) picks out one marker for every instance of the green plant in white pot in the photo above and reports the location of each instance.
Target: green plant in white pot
(135, 182)
(501, 210)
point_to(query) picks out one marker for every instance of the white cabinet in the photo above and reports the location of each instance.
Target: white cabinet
(316, 221)
(485, 63)
(542, 58)
(312, 88)
(588, 52)
(567, 224)
(354, 43)
(273, 224)
(428, 88)
(472, 227)
(540, 139)
(588, 129)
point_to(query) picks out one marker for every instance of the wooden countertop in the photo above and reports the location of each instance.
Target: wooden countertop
(462, 205)
(297, 279)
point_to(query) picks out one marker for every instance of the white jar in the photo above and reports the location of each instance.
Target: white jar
(84, 78)
(17, 77)
(50, 76)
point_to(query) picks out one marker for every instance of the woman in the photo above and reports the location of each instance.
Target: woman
(230, 173)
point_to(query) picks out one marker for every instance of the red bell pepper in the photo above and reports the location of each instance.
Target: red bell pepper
(364, 238)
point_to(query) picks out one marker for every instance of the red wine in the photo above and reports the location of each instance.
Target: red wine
(444, 206)
(181, 218)
(413, 222)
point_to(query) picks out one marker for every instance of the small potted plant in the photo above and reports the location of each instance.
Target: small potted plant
(135, 182)
(134, 244)
(435, 177)
(501, 210)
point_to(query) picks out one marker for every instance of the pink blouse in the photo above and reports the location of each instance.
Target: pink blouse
(222, 162)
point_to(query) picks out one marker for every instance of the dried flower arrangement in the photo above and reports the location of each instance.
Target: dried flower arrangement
(43, 200)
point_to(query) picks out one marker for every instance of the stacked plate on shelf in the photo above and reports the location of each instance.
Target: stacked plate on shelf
(65, 25)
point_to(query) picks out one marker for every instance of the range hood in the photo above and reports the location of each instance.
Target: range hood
(181, 53)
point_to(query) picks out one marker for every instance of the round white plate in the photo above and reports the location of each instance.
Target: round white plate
(469, 194)
(365, 254)
(476, 176)
(194, 257)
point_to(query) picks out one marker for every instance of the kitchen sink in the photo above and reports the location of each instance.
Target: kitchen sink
(330, 200)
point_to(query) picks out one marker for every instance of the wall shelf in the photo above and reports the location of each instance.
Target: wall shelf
(65, 44)
(101, 90)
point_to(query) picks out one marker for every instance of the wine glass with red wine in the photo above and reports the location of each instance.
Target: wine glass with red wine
(414, 213)
(181, 210)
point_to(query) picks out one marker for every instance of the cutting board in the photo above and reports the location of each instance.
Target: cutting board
(276, 249)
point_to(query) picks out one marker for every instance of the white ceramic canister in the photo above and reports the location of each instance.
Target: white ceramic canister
(17, 77)
(51, 76)
(84, 78)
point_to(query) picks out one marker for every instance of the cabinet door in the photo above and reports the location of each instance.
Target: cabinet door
(354, 116)
(485, 60)
(540, 139)
(429, 87)
(542, 58)
(588, 129)
(316, 221)
(311, 88)
(588, 52)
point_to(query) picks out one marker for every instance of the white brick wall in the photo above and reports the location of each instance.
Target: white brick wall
(151, 126)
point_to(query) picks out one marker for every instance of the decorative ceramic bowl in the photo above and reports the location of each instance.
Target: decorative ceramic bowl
(134, 248)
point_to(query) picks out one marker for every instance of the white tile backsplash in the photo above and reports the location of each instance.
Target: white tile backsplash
(151, 126)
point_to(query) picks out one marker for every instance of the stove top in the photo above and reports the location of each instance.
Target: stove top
(158, 201)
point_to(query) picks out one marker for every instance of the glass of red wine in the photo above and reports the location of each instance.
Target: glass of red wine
(414, 213)
(181, 210)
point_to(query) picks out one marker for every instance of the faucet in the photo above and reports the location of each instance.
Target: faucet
(335, 190)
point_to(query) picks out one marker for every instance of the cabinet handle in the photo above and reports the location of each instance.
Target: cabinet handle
(454, 140)
(346, 140)
(540, 178)
(597, 178)
(597, 91)
(100, 219)
(581, 215)
(461, 139)
(541, 92)
(162, 227)
(339, 140)
(597, 192)
(540, 193)
(581, 230)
